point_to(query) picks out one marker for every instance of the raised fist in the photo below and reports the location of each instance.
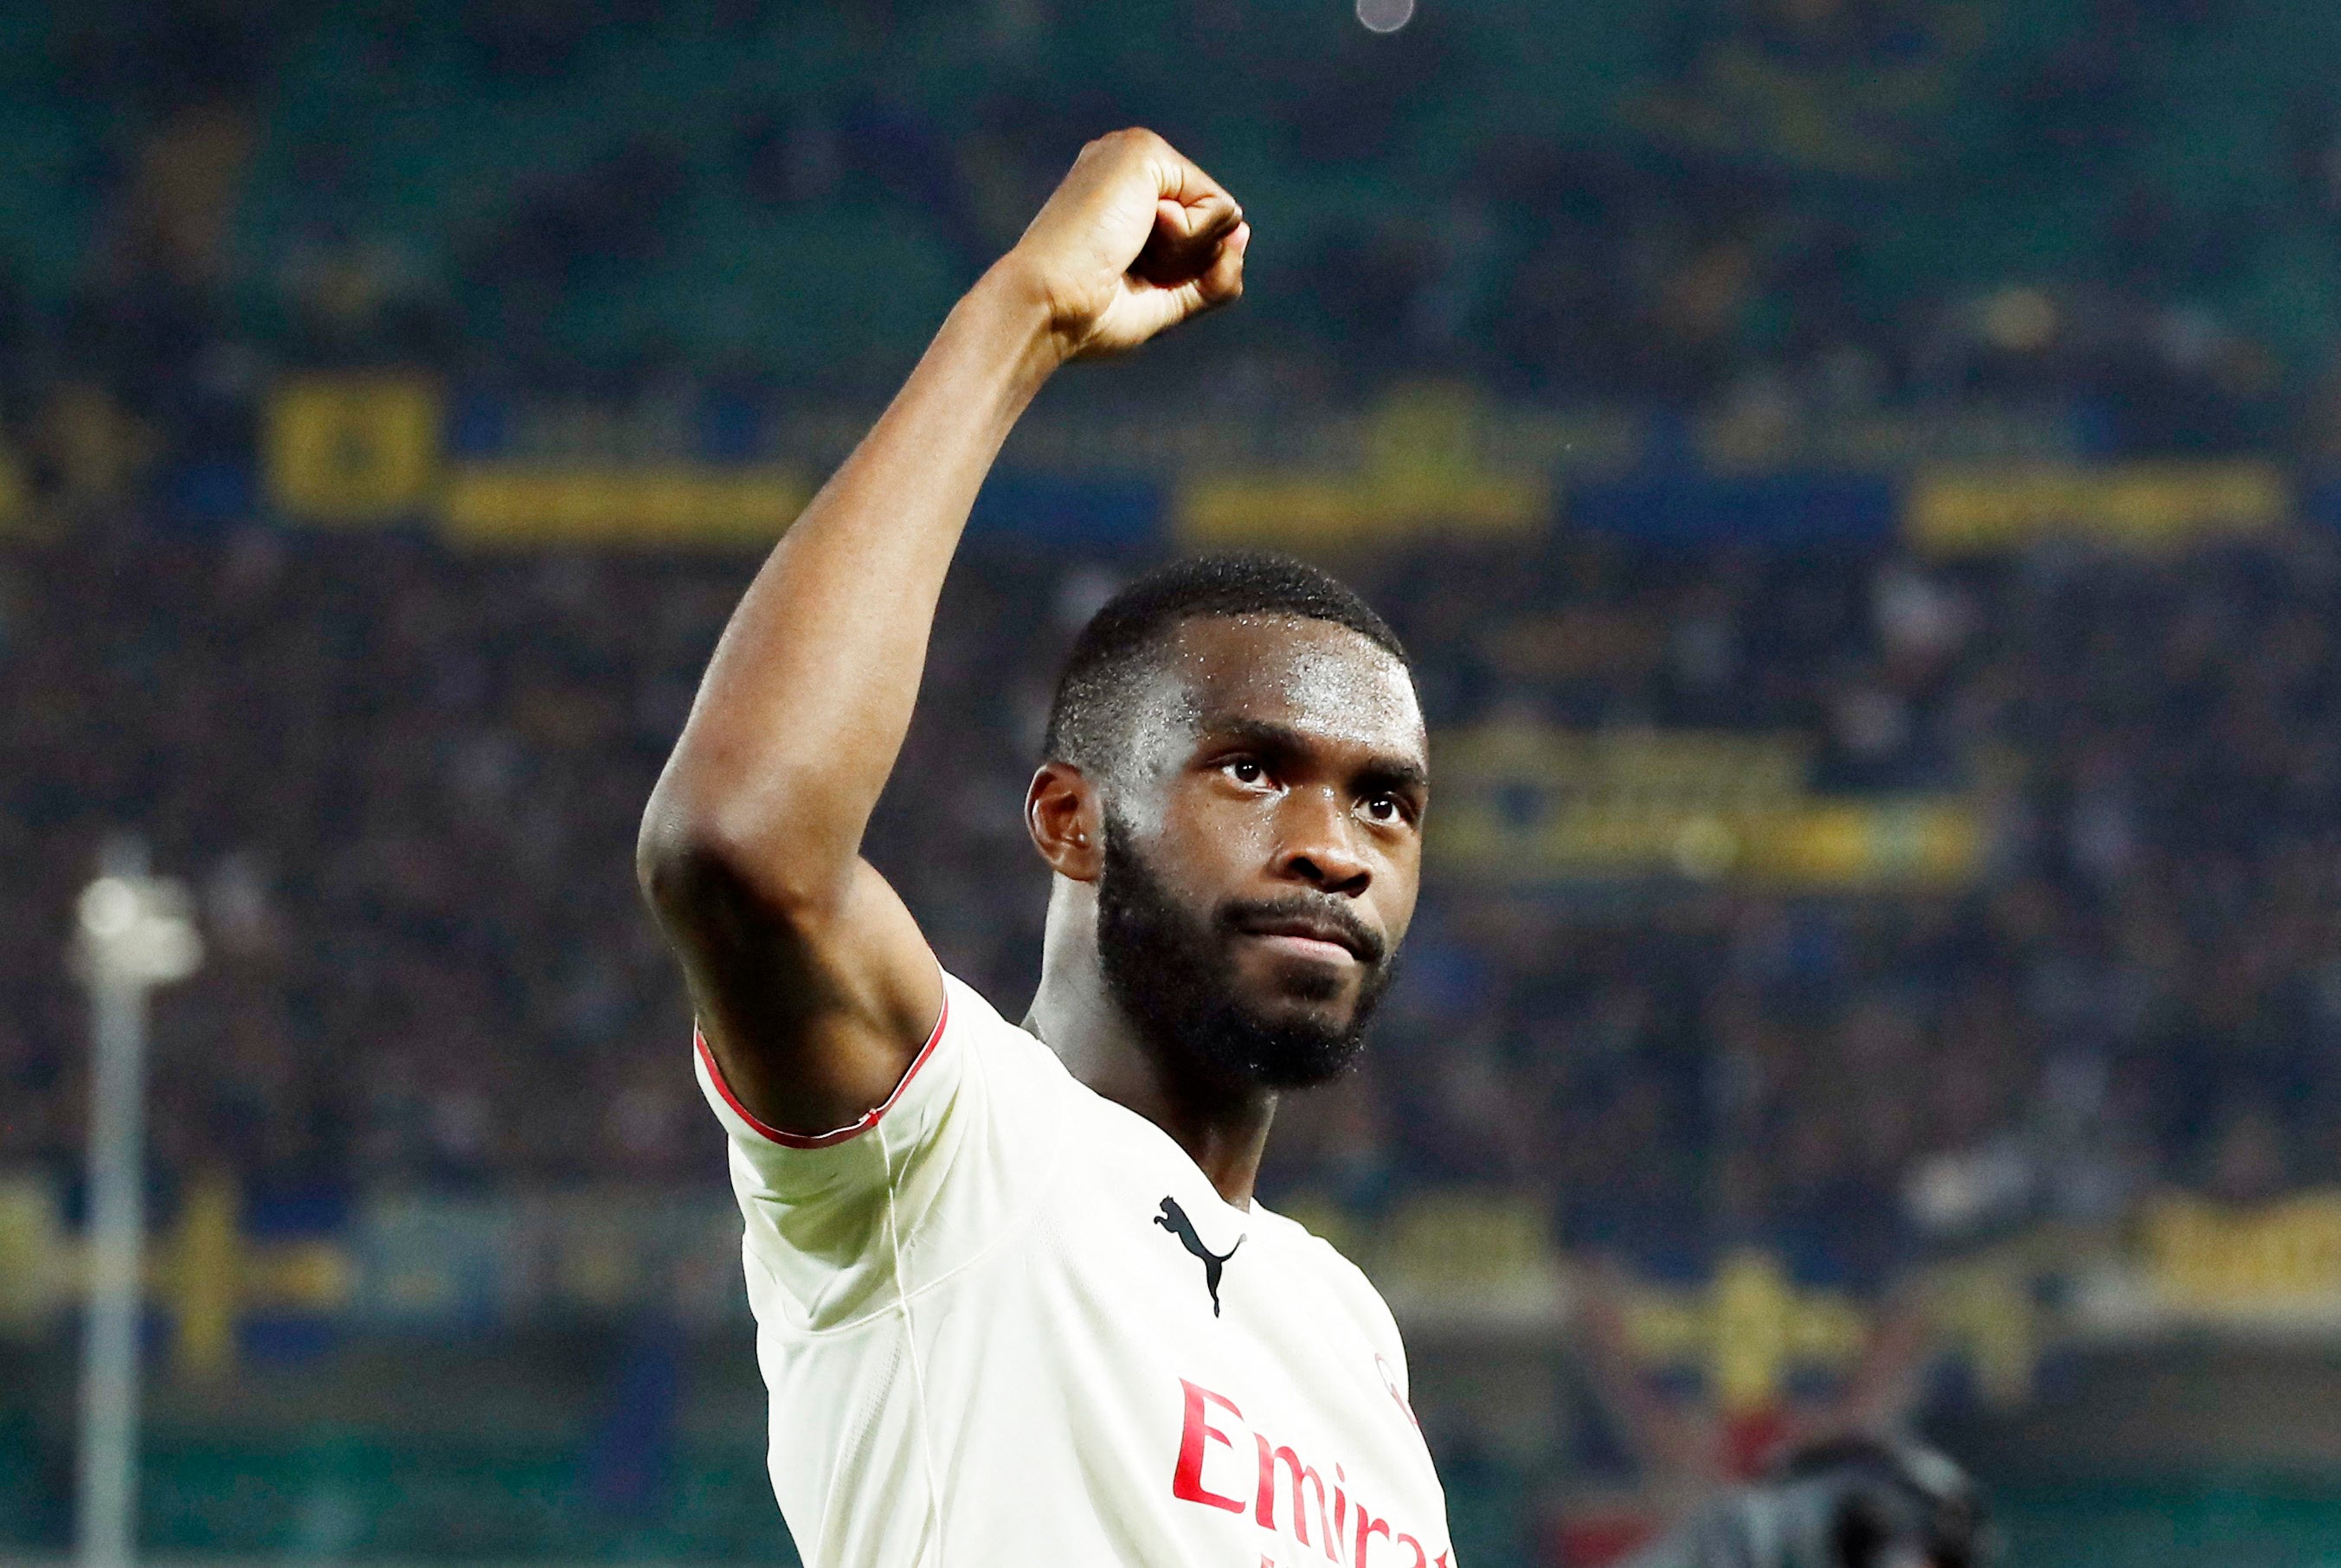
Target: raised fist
(1135, 239)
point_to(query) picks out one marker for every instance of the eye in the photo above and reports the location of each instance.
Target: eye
(1385, 808)
(1245, 770)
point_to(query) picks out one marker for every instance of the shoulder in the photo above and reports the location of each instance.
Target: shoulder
(1307, 1245)
(1009, 1052)
(1342, 1278)
(1360, 1300)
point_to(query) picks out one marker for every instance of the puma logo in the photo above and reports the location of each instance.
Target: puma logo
(1174, 1219)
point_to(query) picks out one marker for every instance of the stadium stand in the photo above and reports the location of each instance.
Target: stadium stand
(401, 772)
(1828, 200)
(1852, 471)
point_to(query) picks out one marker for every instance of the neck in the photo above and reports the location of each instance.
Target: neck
(1223, 1131)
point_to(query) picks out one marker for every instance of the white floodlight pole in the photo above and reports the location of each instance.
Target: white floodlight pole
(134, 933)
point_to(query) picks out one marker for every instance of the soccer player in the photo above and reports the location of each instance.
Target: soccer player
(1007, 1315)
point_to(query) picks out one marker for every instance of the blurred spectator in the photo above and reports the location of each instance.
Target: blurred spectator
(406, 784)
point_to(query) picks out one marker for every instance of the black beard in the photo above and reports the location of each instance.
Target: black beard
(1171, 972)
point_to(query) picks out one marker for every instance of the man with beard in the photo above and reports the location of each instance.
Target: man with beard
(1010, 1313)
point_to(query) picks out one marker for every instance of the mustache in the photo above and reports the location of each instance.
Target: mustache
(1240, 915)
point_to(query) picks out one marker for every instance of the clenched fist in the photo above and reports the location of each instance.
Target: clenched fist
(1134, 239)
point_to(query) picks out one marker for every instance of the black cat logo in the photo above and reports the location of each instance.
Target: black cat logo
(1174, 1219)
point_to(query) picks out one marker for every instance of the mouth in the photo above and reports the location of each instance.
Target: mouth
(1299, 936)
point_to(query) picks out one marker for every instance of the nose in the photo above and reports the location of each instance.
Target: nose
(1317, 844)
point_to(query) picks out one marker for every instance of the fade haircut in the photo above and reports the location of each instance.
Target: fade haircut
(1099, 692)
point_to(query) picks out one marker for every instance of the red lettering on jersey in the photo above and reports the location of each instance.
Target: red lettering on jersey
(1187, 1480)
(1389, 1382)
(1197, 1433)
(1265, 1507)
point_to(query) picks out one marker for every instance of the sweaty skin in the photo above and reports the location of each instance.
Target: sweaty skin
(1334, 723)
(1323, 680)
(811, 983)
(1283, 765)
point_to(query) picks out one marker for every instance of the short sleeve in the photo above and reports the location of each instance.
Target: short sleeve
(841, 1221)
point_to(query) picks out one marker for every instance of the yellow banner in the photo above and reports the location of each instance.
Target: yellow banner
(1300, 513)
(1923, 842)
(1749, 1327)
(524, 506)
(32, 1248)
(1420, 470)
(1521, 803)
(2217, 1258)
(1710, 770)
(1471, 1256)
(2146, 506)
(352, 450)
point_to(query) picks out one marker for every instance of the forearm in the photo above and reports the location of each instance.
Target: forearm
(804, 706)
(810, 980)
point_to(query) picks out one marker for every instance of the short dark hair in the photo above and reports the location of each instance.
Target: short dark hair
(1101, 675)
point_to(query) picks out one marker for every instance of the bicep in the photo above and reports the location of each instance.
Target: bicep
(813, 1015)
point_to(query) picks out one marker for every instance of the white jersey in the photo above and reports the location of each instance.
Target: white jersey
(1006, 1321)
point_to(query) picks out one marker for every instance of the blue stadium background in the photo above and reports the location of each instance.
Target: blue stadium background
(1858, 476)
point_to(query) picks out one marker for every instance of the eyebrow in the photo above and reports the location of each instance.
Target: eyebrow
(1383, 771)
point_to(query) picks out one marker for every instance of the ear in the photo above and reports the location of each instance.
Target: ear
(1067, 821)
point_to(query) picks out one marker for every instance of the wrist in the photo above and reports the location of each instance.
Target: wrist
(1015, 307)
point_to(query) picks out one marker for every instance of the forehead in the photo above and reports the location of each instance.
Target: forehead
(1320, 680)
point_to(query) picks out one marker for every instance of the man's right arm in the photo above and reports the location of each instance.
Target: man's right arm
(813, 985)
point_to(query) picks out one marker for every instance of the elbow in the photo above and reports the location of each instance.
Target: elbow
(695, 862)
(672, 857)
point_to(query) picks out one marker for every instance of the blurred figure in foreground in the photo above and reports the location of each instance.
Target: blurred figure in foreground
(1847, 1503)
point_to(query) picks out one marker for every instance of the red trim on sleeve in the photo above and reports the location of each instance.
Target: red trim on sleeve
(819, 1140)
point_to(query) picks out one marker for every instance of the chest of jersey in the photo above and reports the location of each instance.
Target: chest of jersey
(1013, 1323)
(1241, 1389)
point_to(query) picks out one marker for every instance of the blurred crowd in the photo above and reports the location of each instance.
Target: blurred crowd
(404, 785)
(405, 782)
(2126, 209)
